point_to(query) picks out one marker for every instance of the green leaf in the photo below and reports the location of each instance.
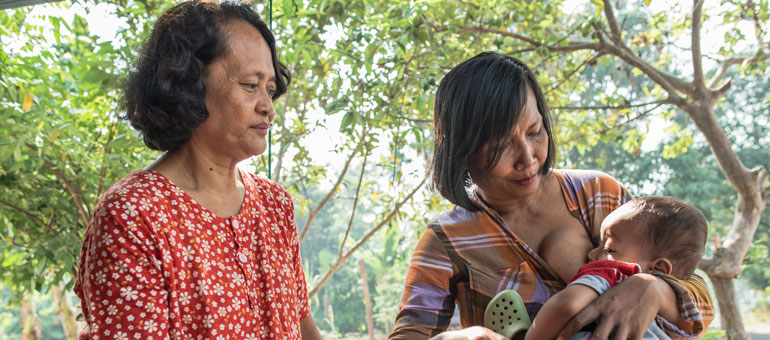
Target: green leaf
(347, 120)
(336, 106)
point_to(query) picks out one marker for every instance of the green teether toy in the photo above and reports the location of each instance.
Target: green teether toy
(507, 315)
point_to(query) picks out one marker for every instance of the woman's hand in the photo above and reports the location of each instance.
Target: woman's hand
(626, 310)
(470, 333)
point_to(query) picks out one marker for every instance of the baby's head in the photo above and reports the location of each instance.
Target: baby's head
(659, 233)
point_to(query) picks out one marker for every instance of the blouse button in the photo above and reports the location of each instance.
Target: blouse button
(235, 223)
(242, 257)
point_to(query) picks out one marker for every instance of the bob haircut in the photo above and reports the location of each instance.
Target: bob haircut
(165, 97)
(478, 102)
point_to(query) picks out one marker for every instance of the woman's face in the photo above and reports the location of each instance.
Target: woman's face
(239, 89)
(518, 173)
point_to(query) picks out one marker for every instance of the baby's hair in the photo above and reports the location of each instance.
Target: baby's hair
(676, 230)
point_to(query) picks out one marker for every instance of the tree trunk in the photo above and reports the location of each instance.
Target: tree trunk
(66, 312)
(724, 288)
(367, 301)
(28, 319)
(329, 312)
(726, 263)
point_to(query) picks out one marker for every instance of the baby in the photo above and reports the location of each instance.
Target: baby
(647, 234)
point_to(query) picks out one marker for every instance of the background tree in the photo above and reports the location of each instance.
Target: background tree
(364, 77)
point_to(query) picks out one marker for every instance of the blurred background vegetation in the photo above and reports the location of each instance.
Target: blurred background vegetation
(353, 135)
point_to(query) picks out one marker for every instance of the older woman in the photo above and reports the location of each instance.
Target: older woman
(193, 247)
(523, 225)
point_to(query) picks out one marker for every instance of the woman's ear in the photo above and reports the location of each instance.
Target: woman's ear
(662, 265)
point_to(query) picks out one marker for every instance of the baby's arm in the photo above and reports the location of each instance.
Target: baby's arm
(558, 310)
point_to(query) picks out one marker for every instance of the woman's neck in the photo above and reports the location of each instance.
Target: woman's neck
(195, 170)
(526, 207)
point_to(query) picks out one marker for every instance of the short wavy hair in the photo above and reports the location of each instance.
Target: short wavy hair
(164, 95)
(478, 102)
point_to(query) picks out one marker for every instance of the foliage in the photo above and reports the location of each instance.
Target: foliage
(46, 309)
(714, 334)
(61, 143)
(365, 72)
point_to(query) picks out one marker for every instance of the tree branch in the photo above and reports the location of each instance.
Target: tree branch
(570, 47)
(697, 57)
(563, 79)
(617, 48)
(341, 260)
(71, 190)
(355, 204)
(47, 226)
(609, 107)
(611, 21)
(333, 190)
(99, 188)
(23, 212)
(740, 178)
(284, 145)
(635, 118)
(724, 66)
(67, 185)
(762, 177)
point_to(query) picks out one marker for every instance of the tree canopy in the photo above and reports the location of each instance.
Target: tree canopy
(364, 76)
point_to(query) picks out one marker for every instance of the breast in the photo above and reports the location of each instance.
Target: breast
(565, 248)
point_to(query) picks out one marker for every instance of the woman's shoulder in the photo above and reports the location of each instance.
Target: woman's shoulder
(587, 181)
(455, 216)
(140, 183)
(267, 190)
(141, 189)
(581, 175)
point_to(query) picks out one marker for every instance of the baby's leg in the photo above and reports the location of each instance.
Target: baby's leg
(558, 310)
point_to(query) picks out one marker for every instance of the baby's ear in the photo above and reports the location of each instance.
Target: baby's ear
(662, 265)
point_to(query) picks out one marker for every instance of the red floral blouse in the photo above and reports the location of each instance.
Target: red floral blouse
(155, 264)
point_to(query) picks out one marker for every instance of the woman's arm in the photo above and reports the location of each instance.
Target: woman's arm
(427, 303)
(309, 330)
(120, 283)
(618, 311)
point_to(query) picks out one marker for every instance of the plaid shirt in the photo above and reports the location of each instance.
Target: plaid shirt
(466, 258)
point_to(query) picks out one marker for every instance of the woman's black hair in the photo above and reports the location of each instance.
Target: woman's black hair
(165, 97)
(478, 102)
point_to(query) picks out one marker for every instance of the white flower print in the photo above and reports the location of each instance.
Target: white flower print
(205, 294)
(184, 298)
(129, 293)
(150, 326)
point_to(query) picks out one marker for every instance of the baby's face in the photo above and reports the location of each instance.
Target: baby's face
(623, 239)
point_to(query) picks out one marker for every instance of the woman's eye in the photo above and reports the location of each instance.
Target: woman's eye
(537, 133)
(250, 86)
(608, 250)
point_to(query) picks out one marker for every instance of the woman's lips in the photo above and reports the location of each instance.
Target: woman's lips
(526, 181)
(262, 128)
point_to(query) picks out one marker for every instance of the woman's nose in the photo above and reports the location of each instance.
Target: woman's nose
(524, 156)
(265, 107)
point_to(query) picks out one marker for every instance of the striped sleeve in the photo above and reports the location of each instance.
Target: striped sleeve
(694, 304)
(591, 195)
(427, 304)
